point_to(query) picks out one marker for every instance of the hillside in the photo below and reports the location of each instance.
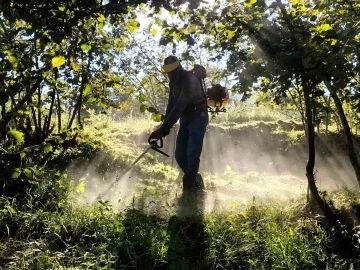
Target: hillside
(263, 159)
(254, 214)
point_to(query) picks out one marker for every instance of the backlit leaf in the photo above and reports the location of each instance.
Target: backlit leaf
(87, 90)
(142, 98)
(28, 173)
(250, 3)
(80, 187)
(22, 155)
(85, 47)
(47, 148)
(100, 26)
(58, 61)
(154, 31)
(101, 18)
(229, 34)
(132, 26)
(74, 65)
(12, 59)
(17, 135)
(322, 28)
(157, 117)
(16, 173)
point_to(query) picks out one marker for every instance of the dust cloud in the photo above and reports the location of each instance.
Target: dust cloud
(238, 167)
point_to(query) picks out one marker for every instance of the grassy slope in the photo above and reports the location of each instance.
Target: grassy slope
(152, 233)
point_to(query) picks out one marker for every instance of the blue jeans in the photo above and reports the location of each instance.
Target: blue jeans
(189, 145)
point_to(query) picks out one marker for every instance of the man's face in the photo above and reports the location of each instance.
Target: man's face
(170, 75)
(173, 76)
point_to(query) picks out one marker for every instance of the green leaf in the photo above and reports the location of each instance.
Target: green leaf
(58, 61)
(80, 187)
(22, 155)
(291, 232)
(158, 22)
(322, 28)
(35, 171)
(28, 173)
(87, 90)
(101, 18)
(250, 3)
(74, 64)
(142, 98)
(17, 135)
(325, 27)
(100, 26)
(115, 78)
(157, 117)
(143, 108)
(154, 31)
(12, 59)
(12, 211)
(62, 8)
(132, 26)
(229, 34)
(85, 47)
(47, 148)
(16, 173)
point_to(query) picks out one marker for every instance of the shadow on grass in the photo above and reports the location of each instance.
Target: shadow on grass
(187, 244)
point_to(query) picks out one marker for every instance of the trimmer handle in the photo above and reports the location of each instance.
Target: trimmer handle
(156, 144)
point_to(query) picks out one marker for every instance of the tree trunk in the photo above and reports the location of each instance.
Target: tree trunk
(327, 102)
(59, 111)
(310, 127)
(10, 114)
(300, 108)
(347, 132)
(47, 126)
(78, 105)
(79, 108)
(311, 140)
(39, 130)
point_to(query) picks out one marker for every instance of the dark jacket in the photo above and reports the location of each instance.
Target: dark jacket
(184, 100)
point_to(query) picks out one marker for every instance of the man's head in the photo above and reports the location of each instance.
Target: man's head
(172, 68)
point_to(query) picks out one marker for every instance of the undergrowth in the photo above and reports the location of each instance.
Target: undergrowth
(273, 236)
(43, 227)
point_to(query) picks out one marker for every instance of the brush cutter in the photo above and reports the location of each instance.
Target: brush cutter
(155, 144)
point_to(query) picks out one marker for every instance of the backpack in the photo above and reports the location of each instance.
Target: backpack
(217, 96)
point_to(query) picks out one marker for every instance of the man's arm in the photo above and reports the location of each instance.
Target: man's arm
(171, 100)
(180, 104)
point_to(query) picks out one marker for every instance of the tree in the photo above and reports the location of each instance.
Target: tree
(57, 55)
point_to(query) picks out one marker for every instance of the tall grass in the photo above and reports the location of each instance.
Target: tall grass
(277, 236)
(47, 229)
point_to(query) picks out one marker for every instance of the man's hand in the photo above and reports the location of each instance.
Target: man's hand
(157, 133)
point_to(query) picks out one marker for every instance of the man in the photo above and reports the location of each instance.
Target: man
(186, 102)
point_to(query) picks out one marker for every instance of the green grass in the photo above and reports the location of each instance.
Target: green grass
(249, 221)
(241, 112)
(261, 236)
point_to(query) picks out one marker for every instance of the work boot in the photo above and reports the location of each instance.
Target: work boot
(189, 182)
(199, 183)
